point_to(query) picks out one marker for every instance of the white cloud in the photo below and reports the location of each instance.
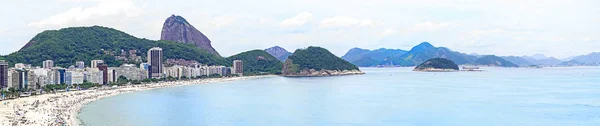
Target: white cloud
(224, 20)
(298, 20)
(429, 26)
(104, 8)
(387, 32)
(585, 39)
(344, 22)
(264, 20)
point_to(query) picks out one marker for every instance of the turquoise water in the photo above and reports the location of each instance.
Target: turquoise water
(394, 97)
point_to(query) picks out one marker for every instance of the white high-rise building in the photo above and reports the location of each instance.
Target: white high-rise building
(22, 66)
(74, 77)
(238, 67)
(48, 64)
(80, 64)
(95, 63)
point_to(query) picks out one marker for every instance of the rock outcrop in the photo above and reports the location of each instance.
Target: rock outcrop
(177, 29)
(290, 72)
(280, 53)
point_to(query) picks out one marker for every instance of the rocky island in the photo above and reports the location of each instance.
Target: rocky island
(317, 61)
(437, 65)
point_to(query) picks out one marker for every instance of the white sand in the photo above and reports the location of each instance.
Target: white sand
(62, 108)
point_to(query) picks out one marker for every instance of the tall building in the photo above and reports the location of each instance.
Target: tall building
(238, 67)
(3, 74)
(155, 59)
(104, 68)
(48, 64)
(80, 64)
(95, 63)
(57, 76)
(20, 78)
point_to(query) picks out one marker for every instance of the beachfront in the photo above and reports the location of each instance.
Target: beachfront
(62, 108)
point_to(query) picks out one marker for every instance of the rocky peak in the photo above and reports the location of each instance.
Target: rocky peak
(177, 29)
(278, 52)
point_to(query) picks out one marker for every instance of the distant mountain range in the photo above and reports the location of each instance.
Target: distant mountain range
(491, 60)
(364, 57)
(425, 51)
(398, 57)
(280, 53)
(590, 59)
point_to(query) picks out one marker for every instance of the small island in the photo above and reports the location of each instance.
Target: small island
(317, 61)
(437, 65)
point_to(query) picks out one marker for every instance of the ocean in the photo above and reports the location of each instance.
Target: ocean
(381, 97)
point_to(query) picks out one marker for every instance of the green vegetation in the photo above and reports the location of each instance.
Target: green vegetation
(317, 58)
(68, 45)
(437, 63)
(258, 62)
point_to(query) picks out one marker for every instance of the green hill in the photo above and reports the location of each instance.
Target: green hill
(315, 58)
(437, 64)
(258, 61)
(68, 45)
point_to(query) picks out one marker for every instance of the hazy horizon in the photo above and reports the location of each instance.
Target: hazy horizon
(554, 28)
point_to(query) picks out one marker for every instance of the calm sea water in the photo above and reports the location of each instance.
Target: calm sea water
(394, 97)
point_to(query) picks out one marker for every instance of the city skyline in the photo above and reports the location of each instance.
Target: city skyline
(554, 28)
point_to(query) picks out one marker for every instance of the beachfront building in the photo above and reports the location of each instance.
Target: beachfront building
(238, 67)
(95, 63)
(3, 74)
(48, 64)
(41, 77)
(104, 68)
(93, 75)
(128, 71)
(174, 71)
(155, 59)
(111, 75)
(57, 75)
(80, 64)
(216, 70)
(196, 70)
(74, 77)
(19, 78)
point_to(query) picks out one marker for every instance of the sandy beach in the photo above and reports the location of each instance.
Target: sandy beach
(62, 108)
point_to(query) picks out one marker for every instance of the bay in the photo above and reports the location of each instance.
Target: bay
(390, 96)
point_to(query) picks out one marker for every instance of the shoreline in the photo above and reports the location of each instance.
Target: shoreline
(63, 108)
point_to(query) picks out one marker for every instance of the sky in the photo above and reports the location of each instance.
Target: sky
(559, 28)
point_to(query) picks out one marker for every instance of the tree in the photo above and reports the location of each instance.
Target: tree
(122, 80)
